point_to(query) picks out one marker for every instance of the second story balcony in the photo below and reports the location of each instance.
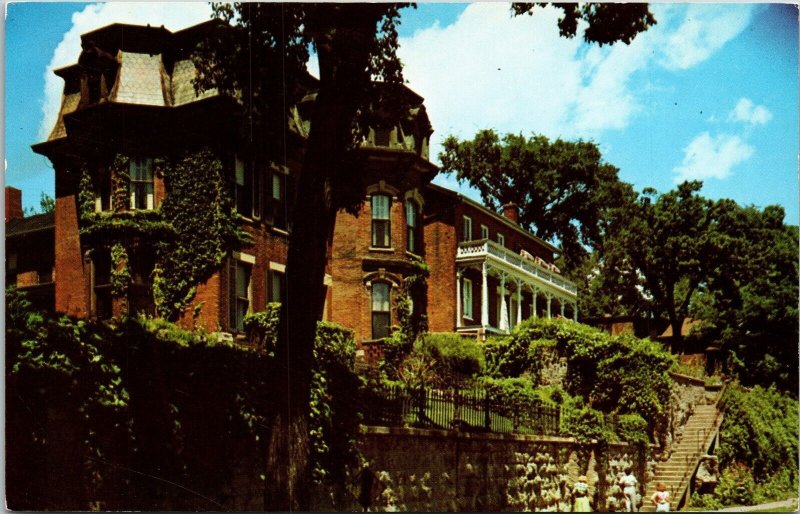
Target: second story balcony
(529, 269)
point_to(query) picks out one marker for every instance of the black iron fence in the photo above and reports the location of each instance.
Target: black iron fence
(462, 409)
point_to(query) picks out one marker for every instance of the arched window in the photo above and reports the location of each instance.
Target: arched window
(381, 227)
(381, 310)
(413, 239)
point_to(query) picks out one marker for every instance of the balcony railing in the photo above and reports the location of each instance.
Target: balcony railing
(484, 248)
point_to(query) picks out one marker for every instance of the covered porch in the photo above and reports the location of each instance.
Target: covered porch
(497, 289)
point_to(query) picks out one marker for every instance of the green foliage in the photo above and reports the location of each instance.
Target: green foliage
(261, 328)
(760, 430)
(456, 359)
(567, 187)
(412, 305)
(602, 23)
(149, 395)
(120, 273)
(335, 416)
(199, 209)
(632, 428)
(616, 374)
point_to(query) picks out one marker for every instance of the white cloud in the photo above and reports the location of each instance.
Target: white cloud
(491, 70)
(748, 112)
(704, 29)
(173, 15)
(712, 157)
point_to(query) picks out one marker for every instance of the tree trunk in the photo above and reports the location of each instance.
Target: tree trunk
(343, 60)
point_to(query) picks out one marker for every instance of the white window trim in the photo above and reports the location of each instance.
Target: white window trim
(467, 305)
(245, 257)
(484, 231)
(150, 201)
(466, 220)
(501, 239)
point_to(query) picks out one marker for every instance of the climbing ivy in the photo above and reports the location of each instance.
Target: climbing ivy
(200, 210)
(191, 233)
(120, 273)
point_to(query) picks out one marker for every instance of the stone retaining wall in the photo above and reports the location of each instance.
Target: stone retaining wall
(438, 470)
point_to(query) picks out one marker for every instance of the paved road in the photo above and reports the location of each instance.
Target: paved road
(762, 507)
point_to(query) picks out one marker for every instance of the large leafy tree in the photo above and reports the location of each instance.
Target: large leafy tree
(664, 245)
(749, 303)
(261, 60)
(563, 188)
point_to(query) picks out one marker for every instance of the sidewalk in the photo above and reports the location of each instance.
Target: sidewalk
(762, 507)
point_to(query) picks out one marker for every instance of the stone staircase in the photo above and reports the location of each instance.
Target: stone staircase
(677, 472)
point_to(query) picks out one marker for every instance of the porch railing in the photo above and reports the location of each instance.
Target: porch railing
(485, 248)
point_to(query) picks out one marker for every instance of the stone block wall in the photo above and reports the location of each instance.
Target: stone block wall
(437, 470)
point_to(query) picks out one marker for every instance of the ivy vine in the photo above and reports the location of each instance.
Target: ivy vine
(200, 210)
(190, 234)
(120, 273)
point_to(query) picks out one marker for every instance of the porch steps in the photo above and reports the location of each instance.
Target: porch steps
(679, 469)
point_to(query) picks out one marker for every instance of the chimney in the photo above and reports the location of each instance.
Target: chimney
(13, 203)
(511, 211)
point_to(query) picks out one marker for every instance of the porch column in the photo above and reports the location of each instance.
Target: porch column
(458, 299)
(533, 303)
(484, 296)
(519, 302)
(503, 321)
(561, 303)
(575, 312)
(549, 302)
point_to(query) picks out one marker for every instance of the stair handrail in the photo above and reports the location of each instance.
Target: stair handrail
(689, 472)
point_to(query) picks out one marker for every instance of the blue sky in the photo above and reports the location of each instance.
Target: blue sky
(709, 93)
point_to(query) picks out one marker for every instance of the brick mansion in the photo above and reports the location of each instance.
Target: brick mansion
(131, 93)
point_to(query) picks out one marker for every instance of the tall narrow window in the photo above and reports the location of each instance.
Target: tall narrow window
(381, 231)
(467, 299)
(277, 201)
(381, 314)
(243, 180)
(501, 239)
(412, 223)
(102, 197)
(484, 232)
(466, 234)
(276, 286)
(141, 172)
(239, 281)
(101, 284)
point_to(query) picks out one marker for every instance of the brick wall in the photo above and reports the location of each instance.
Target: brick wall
(72, 272)
(13, 203)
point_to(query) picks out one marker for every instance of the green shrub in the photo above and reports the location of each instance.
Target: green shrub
(456, 358)
(760, 429)
(261, 328)
(736, 485)
(616, 374)
(632, 428)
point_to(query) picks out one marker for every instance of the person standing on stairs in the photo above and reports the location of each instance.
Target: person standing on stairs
(628, 483)
(581, 494)
(661, 497)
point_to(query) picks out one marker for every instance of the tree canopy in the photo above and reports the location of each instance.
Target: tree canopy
(563, 189)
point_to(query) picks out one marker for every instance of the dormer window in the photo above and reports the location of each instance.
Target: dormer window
(141, 173)
(381, 228)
